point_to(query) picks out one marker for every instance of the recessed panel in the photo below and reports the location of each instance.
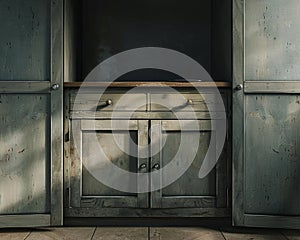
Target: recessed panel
(24, 154)
(189, 184)
(25, 40)
(272, 40)
(91, 186)
(272, 164)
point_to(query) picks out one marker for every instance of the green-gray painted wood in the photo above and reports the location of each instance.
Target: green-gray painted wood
(265, 125)
(272, 43)
(208, 199)
(238, 114)
(25, 40)
(57, 113)
(145, 212)
(272, 166)
(31, 114)
(24, 221)
(188, 191)
(24, 158)
(278, 87)
(85, 189)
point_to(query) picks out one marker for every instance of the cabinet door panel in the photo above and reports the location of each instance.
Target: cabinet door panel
(25, 161)
(188, 190)
(31, 161)
(95, 142)
(265, 114)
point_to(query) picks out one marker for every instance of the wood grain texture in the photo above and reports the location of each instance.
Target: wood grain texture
(272, 46)
(147, 84)
(238, 113)
(253, 234)
(114, 233)
(14, 234)
(275, 87)
(57, 113)
(185, 234)
(291, 234)
(24, 158)
(147, 212)
(25, 40)
(62, 234)
(272, 136)
(25, 221)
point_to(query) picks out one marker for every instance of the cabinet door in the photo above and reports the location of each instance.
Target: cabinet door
(188, 191)
(31, 161)
(266, 113)
(93, 143)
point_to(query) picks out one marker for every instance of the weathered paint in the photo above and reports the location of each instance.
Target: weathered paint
(272, 166)
(265, 114)
(25, 40)
(24, 154)
(272, 42)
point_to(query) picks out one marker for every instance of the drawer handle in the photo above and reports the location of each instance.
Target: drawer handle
(189, 102)
(143, 166)
(109, 102)
(156, 166)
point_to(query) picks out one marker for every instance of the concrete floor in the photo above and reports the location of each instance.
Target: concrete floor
(144, 233)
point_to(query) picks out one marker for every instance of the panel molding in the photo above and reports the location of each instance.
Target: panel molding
(283, 87)
(35, 220)
(24, 87)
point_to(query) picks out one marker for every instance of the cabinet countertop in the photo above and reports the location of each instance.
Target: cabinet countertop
(148, 84)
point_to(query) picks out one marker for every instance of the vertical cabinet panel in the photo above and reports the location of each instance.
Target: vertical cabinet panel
(31, 57)
(24, 154)
(266, 116)
(25, 40)
(272, 166)
(272, 43)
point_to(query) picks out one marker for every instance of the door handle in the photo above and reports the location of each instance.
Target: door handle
(143, 166)
(156, 166)
(55, 87)
(239, 87)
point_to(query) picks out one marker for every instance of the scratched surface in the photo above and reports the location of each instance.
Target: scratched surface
(25, 40)
(272, 40)
(24, 157)
(272, 165)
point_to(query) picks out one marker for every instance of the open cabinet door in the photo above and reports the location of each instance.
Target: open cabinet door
(31, 113)
(266, 113)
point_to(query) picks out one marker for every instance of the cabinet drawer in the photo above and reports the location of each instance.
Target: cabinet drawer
(108, 102)
(185, 102)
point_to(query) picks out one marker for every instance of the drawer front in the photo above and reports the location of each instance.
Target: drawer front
(186, 102)
(109, 102)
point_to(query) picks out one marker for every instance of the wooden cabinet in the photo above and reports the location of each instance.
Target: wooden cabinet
(87, 196)
(31, 159)
(266, 114)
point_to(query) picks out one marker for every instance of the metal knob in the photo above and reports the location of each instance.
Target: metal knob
(189, 101)
(156, 166)
(143, 166)
(55, 87)
(239, 87)
(109, 102)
